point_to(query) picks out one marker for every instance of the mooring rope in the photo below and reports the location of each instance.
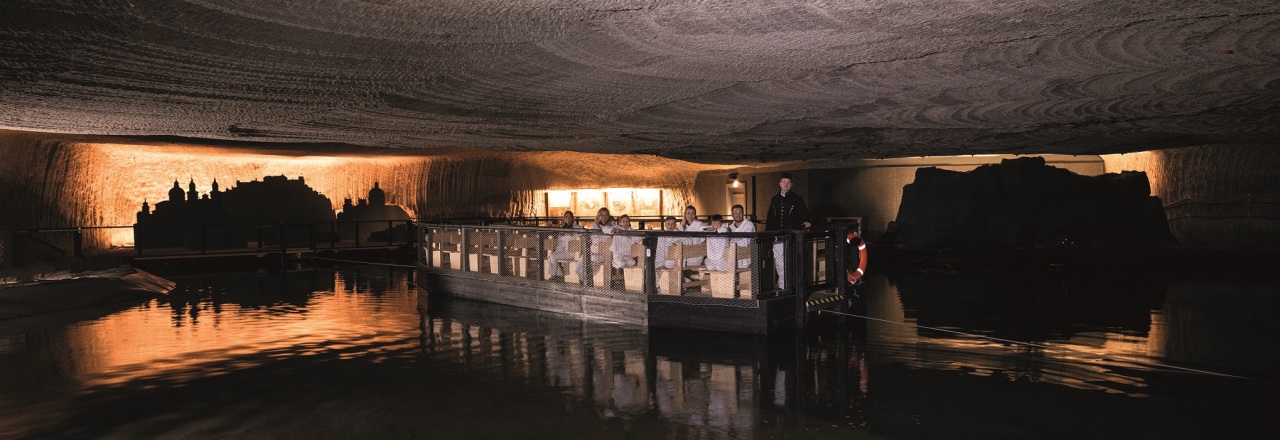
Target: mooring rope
(1032, 344)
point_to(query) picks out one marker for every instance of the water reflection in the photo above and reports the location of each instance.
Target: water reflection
(360, 352)
(1079, 333)
(1083, 333)
(704, 384)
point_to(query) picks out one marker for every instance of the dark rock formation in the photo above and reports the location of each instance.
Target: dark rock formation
(1023, 203)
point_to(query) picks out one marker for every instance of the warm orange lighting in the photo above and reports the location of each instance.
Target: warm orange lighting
(127, 345)
(586, 201)
(1146, 161)
(559, 198)
(648, 202)
(589, 200)
(619, 201)
(124, 175)
(120, 237)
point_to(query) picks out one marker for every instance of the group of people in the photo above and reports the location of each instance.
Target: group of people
(787, 211)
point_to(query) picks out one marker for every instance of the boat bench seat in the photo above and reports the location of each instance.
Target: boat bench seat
(683, 277)
(446, 249)
(482, 252)
(733, 282)
(522, 255)
(633, 276)
(601, 271)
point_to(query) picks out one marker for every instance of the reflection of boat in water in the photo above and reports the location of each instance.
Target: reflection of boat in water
(699, 380)
(699, 281)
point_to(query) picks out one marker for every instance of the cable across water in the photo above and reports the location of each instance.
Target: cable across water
(1032, 344)
(364, 262)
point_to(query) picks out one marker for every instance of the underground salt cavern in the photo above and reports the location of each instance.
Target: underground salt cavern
(1071, 210)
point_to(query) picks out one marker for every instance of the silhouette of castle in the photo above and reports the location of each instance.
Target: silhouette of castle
(236, 212)
(250, 213)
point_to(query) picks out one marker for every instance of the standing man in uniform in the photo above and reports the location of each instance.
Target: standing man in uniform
(786, 212)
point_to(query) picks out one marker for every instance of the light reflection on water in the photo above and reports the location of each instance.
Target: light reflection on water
(228, 321)
(357, 352)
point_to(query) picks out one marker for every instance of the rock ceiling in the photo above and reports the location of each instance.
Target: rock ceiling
(711, 81)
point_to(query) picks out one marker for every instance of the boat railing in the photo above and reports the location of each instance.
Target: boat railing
(721, 268)
(641, 222)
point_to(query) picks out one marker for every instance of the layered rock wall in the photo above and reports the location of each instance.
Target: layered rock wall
(1219, 196)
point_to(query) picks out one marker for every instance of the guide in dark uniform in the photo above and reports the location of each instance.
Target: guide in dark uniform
(787, 211)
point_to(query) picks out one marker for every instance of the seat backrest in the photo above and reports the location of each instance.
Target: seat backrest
(694, 250)
(637, 250)
(447, 240)
(572, 239)
(737, 253)
(485, 240)
(522, 241)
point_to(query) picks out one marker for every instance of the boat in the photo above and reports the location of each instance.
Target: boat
(679, 280)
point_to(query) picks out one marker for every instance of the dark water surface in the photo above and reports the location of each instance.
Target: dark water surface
(356, 352)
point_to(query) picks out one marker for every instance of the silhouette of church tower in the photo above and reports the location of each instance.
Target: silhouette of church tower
(175, 194)
(376, 196)
(370, 214)
(375, 208)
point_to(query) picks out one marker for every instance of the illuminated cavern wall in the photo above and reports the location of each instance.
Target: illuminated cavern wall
(1221, 196)
(52, 182)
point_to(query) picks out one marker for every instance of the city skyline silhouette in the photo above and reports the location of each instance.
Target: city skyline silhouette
(235, 217)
